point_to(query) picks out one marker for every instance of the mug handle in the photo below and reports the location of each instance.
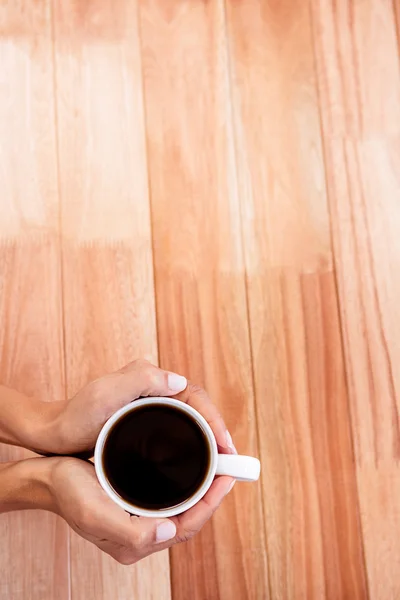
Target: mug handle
(242, 468)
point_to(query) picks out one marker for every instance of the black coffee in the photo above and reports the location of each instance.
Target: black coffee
(156, 457)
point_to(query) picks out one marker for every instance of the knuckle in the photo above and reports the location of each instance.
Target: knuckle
(134, 365)
(196, 389)
(156, 378)
(153, 376)
(138, 540)
(144, 367)
(199, 392)
(186, 534)
(141, 364)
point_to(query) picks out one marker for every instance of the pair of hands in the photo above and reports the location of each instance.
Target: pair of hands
(72, 427)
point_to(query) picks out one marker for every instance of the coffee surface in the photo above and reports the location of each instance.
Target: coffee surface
(156, 457)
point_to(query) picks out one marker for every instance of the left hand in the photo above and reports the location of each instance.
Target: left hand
(75, 424)
(79, 499)
(68, 487)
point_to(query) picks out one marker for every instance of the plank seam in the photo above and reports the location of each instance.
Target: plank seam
(335, 278)
(61, 249)
(231, 122)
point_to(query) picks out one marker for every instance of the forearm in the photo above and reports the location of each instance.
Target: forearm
(26, 485)
(26, 421)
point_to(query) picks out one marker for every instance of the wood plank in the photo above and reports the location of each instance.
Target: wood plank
(362, 148)
(34, 548)
(199, 272)
(107, 267)
(365, 194)
(358, 66)
(312, 516)
(397, 15)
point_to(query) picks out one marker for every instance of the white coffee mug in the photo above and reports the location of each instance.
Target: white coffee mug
(242, 468)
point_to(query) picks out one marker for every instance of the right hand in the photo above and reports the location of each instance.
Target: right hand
(72, 426)
(81, 501)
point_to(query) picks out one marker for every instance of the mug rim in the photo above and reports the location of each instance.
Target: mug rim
(163, 512)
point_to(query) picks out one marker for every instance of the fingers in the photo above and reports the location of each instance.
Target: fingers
(141, 537)
(199, 399)
(144, 379)
(138, 378)
(99, 520)
(128, 538)
(147, 533)
(150, 535)
(190, 522)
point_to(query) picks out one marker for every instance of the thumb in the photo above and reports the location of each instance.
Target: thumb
(141, 378)
(147, 533)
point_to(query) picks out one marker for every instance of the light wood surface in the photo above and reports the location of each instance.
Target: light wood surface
(214, 185)
(109, 308)
(34, 546)
(360, 110)
(199, 272)
(313, 543)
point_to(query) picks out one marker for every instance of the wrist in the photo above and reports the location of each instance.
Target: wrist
(29, 422)
(45, 435)
(27, 484)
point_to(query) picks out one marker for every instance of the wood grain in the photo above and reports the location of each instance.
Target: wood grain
(362, 149)
(34, 550)
(251, 150)
(396, 4)
(365, 229)
(314, 543)
(358, 68)
(107, 258)
(199, 274)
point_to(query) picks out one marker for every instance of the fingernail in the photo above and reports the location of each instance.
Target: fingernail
(176, 383)
(229, 442)
(165, 531)
(231, 486)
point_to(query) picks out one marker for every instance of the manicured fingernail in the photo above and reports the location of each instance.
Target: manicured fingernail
(229, 442)
(231, 486)
(165, 531)
(176, 383)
